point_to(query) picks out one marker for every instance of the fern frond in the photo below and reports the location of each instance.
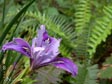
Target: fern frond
(101, 30)
(82, 30)
(91, 37)
(82, 15)
(87, 75)
(49, 75)
(82, 41)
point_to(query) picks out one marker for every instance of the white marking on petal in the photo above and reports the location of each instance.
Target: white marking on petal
(36, 49)
(47, 41)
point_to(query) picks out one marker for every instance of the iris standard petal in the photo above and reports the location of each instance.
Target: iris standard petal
(42, 36)
(67, 65)
(18, 45)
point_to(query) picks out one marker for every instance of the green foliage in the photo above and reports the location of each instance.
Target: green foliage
(2, 37)
(49, 75)
(106, 73)
(92, 36)
(87, 75)
(101, 30)
(83, 15)
(108, 60)
(13, 21)
(28, 80)
(51, 11)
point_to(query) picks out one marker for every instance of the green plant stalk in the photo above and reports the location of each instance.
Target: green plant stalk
(1, 66)
(24, 72)
(11, 73)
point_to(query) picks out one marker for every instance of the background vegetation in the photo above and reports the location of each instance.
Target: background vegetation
(85, 27)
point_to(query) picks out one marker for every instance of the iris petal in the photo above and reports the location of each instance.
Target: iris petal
(18, 45)
(42, 36)
(66, 64)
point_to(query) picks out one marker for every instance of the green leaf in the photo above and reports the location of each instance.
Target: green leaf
(86, 75)
(28, 80)
(106, 73)
(51, 11)
(108, 60)
(48, 75)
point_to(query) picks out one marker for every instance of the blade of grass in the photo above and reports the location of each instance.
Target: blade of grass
(1, 67)
(7, 62)
(3, 15)
(11, 73)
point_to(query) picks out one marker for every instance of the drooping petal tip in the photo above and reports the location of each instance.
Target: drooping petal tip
(67, 65)
(6, 46)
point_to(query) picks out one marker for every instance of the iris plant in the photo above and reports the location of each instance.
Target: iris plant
(44, 51)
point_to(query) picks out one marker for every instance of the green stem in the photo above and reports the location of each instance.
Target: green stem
(11, 73)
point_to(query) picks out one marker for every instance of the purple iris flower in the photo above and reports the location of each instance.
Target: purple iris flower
(44, 51)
